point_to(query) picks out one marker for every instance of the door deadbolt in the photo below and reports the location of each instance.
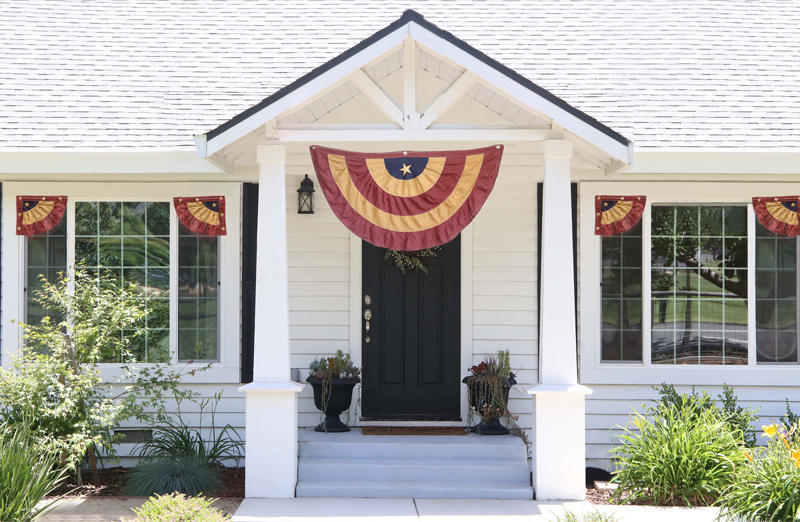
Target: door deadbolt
(367, 300)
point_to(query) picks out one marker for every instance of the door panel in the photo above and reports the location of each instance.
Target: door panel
(413, 358)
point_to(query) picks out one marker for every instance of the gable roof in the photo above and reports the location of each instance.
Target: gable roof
(412, 16)
(143, 75)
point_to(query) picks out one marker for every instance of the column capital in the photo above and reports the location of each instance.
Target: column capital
(554, 149)
(271, 153)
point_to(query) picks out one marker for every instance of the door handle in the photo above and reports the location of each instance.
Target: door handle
(367, 317)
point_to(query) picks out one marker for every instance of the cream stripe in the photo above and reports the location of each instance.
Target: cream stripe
(37, 213)
(419, 222)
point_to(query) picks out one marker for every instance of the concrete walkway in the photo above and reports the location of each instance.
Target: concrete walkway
(432, 510)
(109, 509)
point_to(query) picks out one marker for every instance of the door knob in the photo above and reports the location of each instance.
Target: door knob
(367, 314)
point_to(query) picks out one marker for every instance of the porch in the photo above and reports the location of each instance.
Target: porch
(413, 87)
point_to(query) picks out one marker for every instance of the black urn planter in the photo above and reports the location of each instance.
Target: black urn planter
(479, 397)
(340, 395)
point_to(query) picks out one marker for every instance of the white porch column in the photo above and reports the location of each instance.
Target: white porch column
(559, 440)
(271, 405)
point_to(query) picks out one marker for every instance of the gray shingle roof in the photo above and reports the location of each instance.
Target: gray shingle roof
(133, 74)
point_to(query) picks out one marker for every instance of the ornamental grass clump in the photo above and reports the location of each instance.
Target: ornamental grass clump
(677, 455)
(767, 487)
(179, 459)
(27, 474)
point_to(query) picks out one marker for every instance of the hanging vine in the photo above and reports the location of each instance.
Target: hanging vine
(418, 260)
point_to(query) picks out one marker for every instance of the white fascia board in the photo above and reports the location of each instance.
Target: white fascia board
(104, 162)
(304, 93)
(716, 161)
(520, 94)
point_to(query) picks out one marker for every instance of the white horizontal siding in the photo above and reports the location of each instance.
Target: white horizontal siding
(504, 273)
(319, 281)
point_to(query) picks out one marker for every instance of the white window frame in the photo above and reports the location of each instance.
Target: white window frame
(226, 369)
(592, 370)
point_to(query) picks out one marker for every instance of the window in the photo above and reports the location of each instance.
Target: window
(197, 289)
(133, 239)
(699, 285)
(622, 296)
(47, 257)
(776, 297)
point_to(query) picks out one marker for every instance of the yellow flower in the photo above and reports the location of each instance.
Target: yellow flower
(770, 430)
(786, 443)
(796, 458)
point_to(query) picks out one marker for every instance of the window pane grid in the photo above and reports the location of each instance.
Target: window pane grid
(622, 297)
(47, 256)
(131, 239)
(776, 298)
(699, 285)
(198, 297)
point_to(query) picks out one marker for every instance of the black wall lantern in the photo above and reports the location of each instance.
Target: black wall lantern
(305, 197)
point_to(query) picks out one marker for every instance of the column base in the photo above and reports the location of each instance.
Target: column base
(271, 439)
(559, 441)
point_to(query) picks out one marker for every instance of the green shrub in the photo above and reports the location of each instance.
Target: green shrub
(27, 474)
(767, 487)
(685, 456)
(739, 418)
(178, 508)
(191, 476)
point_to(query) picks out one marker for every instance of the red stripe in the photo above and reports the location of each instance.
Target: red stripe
(400, 206)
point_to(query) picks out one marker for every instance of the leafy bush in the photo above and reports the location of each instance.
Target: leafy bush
(27, 474)
(191, 476)
(56, 380)
(738, 418)
(686, 455)
(178, 508)
(767, 487)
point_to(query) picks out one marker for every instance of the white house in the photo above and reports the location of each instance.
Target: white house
(687, 109)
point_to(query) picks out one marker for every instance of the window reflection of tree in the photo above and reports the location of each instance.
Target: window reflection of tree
(709, 243)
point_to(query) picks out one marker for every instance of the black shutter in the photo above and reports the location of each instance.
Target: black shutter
(249, 242)
(539, 199)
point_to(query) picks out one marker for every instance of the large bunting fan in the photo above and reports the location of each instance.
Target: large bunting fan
(39, 214)
(407, 200)
(617, 214)
(778, 215)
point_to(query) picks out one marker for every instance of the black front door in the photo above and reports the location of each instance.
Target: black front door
(411, 354)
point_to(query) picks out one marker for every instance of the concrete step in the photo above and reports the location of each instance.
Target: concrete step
(353, 445)
(406, 490)
(474, 472)
(353, 465)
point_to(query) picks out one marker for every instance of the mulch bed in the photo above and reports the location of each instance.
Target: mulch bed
(413, 430)
(598, 498)
(113, 482)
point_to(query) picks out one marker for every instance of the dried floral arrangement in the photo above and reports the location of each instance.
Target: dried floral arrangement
(418, 260)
